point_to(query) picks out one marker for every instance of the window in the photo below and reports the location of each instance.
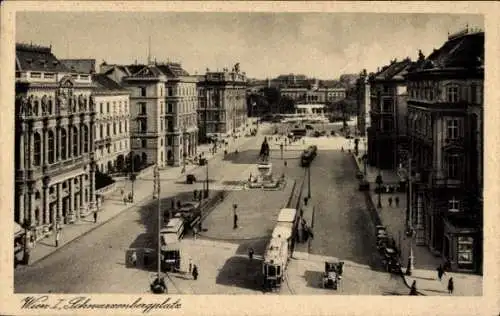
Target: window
(107, 107)
(453, 205)
(465, 247)
(454, 165)
(85, 139)
(37, 157)
(452, 129)
(36, 75)
(64, 142)
(114, 128)
(120, 127)
(387, 105)
(50, 136)
(143, 91)
(143, 127)
(100, 107)
(126, 126)
(114, 107)
(75, 141)
(143, 108)
(452, 93)
(161, 142)
(100, 131)
(473, 94)
(170, 91)
(169, 140)
(169, 108)
(108, 130)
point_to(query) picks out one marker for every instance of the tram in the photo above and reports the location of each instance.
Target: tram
(279, 249)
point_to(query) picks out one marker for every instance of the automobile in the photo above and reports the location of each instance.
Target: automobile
(391, 260)
(190, 179)
(317, 134)
(308, 126)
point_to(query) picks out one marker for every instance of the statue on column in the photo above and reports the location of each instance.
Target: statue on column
(264, 150)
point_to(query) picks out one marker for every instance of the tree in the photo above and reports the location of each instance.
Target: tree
(273, 97)
(287, 105)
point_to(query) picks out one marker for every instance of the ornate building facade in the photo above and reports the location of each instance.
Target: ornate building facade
(445, 123)
(314, 95)
(222, 107)
(388, 111)
(54, 142)
(112, 138)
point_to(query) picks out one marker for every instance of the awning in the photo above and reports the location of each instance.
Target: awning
(18, 230)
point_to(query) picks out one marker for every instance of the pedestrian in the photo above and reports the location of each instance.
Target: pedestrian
(235, 221)
(95, 216)
(413, 289)
(285, 163)
(195, 272)
(440, 272)
(125, 200)
(390, 201)
(396, 200)
(250, 254)
(342, 149)
(133, 258)
(190, 267)
(451, 286)
(195, 232)
(122, 192)
(58, 235)
(195, 194)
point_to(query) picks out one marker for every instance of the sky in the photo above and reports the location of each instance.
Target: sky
(320, 45)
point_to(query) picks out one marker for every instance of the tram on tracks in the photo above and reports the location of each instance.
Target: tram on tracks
(279, 249)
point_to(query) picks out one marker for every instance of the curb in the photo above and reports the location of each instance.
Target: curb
(76, 238)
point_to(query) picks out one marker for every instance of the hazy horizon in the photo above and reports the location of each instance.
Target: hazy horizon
(320, 45)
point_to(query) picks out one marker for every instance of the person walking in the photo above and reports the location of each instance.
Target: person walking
(195, 232)
(58, 235)
(124, 200)
(440, 272)
(133, 258)
(235, 221)
(390, 201)
(250, 254)
(190, 266)
(195, 272)
(413, 289)
(451, 286)
(396, 200)
(122, 192)
(95, 217)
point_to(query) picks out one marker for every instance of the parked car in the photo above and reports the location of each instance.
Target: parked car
(190, 179)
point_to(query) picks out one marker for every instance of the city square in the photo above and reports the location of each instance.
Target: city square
(142, 177)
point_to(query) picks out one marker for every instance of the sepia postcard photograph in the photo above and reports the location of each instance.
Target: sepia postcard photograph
(157, 155)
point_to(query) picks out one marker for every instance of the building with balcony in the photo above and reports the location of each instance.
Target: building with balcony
(112, 119)
(387, 144)
(363, 103)
(445, 126)
(54, 163)
(222, 107)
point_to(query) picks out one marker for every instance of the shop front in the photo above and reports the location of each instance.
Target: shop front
(461, 244)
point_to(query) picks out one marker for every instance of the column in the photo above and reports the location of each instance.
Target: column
(21, 197)
(21, 149)
(82, 189)
(58, 141)
(59, 200)
(71, 209)
(46, 206)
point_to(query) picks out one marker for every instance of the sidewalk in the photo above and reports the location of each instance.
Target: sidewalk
(425, 263)
(113, 205)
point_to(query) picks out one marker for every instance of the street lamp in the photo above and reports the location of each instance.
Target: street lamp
(206, 190)
(132, 174)
(309, 181)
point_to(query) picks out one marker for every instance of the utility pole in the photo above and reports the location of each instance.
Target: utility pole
(207, 191)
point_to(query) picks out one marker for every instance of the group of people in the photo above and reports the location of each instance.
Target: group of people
(127, 198)
(193, 270)
(441, 271)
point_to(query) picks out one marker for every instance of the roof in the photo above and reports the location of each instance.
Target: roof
(394, 71)
(282, 230)
(287, 215)
(86, 66)
(172, 70)
(37, 58)
(276, 251)
(460, 51)
(103, 83)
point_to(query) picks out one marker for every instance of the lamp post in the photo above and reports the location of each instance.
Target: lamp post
(206, 190)
(309, 181)
(379, 182)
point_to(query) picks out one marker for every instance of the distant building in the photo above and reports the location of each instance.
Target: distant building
(112, 136)
(387, 142)
(222, 102)
(84, 66)
(54, 146)
(445, 124)
(314, 95)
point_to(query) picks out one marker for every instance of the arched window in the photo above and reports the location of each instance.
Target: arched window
(85, 139)
(37, 157)
(75, 141)
(50, 150)
(64, 144)
(50, 106)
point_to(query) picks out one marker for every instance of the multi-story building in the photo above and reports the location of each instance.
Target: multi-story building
(222, 107)
(112, 138)
(163, 111)
(363, 103)
(445, 123)
(180, 115)
(54, 142)
(387, 144)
